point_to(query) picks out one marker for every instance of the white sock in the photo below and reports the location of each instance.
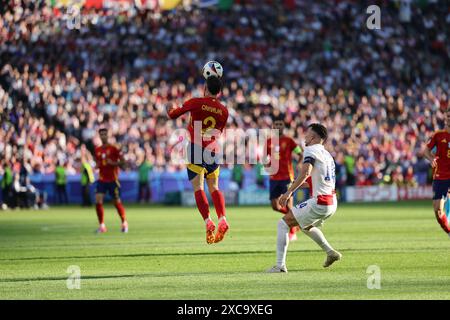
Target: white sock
(318, 237)
(222, 218)
(206, 220)
(282, 242)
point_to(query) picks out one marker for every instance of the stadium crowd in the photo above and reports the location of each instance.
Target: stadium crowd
(380, 92)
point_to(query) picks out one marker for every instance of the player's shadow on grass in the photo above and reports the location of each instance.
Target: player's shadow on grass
(177, 254)
(65, 278)
(142, 255)
(141, 275)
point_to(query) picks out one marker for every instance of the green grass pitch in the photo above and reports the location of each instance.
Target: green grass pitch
(165, 255)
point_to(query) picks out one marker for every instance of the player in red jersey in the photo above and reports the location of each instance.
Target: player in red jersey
(440, 162)
(109, 159)
(208, 119)
(283, 151)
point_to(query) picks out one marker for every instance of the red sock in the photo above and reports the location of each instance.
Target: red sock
(100, 213)
(444, 223)
(202, 203)
(219, 203)
(121, 211)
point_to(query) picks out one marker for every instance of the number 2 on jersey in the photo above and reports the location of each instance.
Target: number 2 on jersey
(210, 123)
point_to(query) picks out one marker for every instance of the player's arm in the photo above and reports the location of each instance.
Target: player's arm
(120, 162)
(428, 154)
(430, 157)
(174, 112)
(305, 172)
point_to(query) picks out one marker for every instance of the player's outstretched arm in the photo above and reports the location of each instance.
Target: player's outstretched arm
(120, 162)
(174, 112)
(301, 179)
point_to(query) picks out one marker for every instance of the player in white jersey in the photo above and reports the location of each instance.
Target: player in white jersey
(309, 215)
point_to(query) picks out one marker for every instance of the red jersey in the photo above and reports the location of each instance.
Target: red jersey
(441, 140)
(207, 112)
(282, 153)
(108, 173)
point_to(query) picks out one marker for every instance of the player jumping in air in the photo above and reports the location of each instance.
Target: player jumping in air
(109, 159)
(310, 215)
(283, 177)
(440, 162)
(210, 117)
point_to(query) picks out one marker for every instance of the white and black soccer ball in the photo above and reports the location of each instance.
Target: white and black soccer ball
(212, 68)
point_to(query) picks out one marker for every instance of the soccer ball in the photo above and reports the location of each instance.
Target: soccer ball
(212, 68)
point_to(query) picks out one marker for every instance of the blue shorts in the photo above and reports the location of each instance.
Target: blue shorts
(278, 188)
(113, 188)
(201, 162)
(441, 188)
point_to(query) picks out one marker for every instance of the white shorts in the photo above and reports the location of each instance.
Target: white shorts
(309, 213)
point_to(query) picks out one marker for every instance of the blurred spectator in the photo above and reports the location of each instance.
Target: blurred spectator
(260, 175)
(237, 174)
(61, 183)
(421, 170)
(410, 179)
(7, 185)
(380, 93)
(87, 179)
(145, 192)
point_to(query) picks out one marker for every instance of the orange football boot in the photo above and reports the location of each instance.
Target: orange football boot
(210, 227)
(221, 230)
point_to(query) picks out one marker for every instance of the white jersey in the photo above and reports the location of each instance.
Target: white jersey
(323, 175)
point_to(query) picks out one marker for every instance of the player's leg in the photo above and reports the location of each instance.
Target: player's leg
(276, 206)
(66, 197)
(217, 195)
(275, 192)
(293, 231)
(115, 186)
(147, 192)
(283, 227)
(318, 237)
(440, 191)
(196, 176)
(99, 196)
(121, 211)
(140, 192)
(197, 181)
(441, 217)
(212, 180)
(277, 189)
(310, 218)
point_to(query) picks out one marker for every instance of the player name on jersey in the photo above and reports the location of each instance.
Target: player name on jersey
(211, 109)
